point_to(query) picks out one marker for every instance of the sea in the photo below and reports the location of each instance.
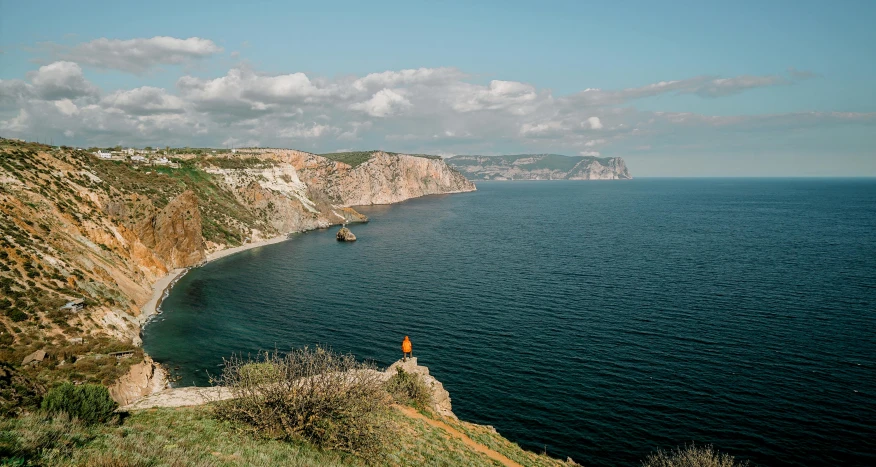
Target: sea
(594, 320)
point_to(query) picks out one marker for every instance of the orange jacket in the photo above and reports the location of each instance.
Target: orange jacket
(406, 345)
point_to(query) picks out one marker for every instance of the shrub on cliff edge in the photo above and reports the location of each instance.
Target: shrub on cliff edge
(90, 403)
(328, 399)
(691, 456)
(409, 389)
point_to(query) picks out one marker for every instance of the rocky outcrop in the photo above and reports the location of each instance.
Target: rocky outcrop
(181, 397)
(143, 379)
(541, 167)
(384, 178)
(440, 397)
(345, 235)
(174, 233)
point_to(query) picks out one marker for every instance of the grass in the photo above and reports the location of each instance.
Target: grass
(356, 158)
(492, 439)
(352, 159)
(189, 437)
(192, 437)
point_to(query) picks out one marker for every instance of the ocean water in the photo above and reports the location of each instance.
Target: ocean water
(597, 320)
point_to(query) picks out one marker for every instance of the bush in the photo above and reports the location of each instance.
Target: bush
(409, 389)
(325, 398)
(691, 456)
(90, 403)
(16, 315)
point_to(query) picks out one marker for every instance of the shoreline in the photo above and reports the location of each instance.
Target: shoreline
(162, 286)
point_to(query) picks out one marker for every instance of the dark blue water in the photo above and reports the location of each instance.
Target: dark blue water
(594, 320)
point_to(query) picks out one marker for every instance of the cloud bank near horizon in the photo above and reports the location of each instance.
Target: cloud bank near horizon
(437, 110)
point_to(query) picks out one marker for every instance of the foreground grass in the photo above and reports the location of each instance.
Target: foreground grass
(189, 437)
(192, 437)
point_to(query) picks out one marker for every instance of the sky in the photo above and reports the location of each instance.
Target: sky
(676, 88)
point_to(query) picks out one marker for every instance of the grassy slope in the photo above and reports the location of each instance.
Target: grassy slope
(547, 161)
(355, 158)
(191, 436)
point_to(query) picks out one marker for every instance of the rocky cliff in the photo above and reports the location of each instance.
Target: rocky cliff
(540, 167)
(73, 226)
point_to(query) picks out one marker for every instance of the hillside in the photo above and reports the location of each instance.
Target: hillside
(76, 227)
(540, 167)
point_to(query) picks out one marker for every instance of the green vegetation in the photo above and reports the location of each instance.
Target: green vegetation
(239, 162)
(190, 437)
(80, 361)
(355, 158)
(409, 389)
(691, 456)
(352, 159)
(220, 210)
(90, 403)
(315, 395)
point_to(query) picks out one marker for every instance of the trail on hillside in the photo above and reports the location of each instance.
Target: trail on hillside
(410, 412)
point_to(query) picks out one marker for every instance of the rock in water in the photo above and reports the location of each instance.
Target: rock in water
(344, 235)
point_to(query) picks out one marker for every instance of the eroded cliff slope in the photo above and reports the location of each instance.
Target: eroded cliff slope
(73, 226)
(540, 167)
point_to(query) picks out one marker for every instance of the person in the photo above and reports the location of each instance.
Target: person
(407, 349)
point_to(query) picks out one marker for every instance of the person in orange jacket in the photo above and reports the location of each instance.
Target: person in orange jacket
(407, 349)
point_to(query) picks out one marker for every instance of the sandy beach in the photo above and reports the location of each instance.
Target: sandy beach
(159, 289)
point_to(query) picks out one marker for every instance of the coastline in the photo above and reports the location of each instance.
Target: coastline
(162, 286)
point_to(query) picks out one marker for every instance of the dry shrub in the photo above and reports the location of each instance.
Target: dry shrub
(409, 389)
(326, 398)
(691, 456)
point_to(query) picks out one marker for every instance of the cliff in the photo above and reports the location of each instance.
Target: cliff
(540, 167)
(73, 226)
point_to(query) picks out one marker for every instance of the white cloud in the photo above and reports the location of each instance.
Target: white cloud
(498, 95)
(302, 131)
(383, 103)
(417, 110)
(61, 80)
(389, 79)
(590, 153)
(66, 107)
(145, 100)
(137, 55)
(594, 123)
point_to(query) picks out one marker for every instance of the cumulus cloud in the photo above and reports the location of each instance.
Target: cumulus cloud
(383, 103)
(61, 80)
(422, 110)
(590, 153)
(388, 79)
(137, 55)
(594, 123)
(145, 100)
(498, 95)
(304, 131)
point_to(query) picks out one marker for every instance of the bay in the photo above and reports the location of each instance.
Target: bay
(597, 320)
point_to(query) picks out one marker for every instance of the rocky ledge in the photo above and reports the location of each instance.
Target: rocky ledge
(184, 397)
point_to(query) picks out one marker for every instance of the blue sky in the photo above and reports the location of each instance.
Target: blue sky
(676, 88)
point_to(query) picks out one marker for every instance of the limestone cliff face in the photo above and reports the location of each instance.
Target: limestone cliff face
(540, 167)
(383, 179)
(387, 179)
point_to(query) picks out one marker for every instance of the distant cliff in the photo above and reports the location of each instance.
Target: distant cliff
(73, 226)
(540, 167)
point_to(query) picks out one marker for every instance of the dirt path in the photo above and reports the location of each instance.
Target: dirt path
(410, 412)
